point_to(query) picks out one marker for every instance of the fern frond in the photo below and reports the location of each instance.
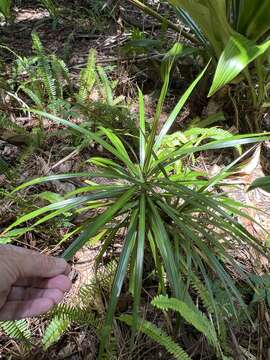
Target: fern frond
(54, 331)
(158, 335)
(107, 89)
(76, 314)
(60, 73)
(18, 330)
(44, 68)
(87, 77)
(32, 95)
(63, 315)
(203, 293)
(192, 316)
(37, 44)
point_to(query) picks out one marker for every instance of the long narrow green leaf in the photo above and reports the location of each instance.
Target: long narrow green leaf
(139, 258)
(100, 221)
(142, 128)
(163, 243)
(107, 174)
(63, 205)
(118, 281)
(89, 134)
(166, 127)
(232, 141)
(117, 143)
(211, 17)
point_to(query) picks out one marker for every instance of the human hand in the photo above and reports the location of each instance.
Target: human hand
(30, 283)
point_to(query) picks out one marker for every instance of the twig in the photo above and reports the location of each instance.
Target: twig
(68, 157)
(139, 58)
(148, 10)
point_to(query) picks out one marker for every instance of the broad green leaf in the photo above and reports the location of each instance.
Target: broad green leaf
(5, 7)
(238, 53)
(263, 183)
(211, 17)
(191, 24)
(254, 18)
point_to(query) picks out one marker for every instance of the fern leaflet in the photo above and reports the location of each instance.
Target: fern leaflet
(195, 318)
(18, 330)
(54, 331)
(157, 335)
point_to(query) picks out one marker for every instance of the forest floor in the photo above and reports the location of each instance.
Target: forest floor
(79, 29)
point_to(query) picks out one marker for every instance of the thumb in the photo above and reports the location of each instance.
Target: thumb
(27, 263)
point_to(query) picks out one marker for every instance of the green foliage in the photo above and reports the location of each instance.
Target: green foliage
(5, 8)
(83, 313)
(158, 335)
(191, 314)
(17, 330)
(262, 286)
(54, 331)
(231, 31)
(48, 77)
(263, 183)
(188, 227)
(238, 53)
(210, 17)
(87, 77)
(51, 6)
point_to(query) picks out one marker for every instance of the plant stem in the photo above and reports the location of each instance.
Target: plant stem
(252, 90)
(148, 10)
(261, 79)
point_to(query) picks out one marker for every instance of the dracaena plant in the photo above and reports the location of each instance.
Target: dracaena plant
(185, 226)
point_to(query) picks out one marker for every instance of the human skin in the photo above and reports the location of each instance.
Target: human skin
(30, 283)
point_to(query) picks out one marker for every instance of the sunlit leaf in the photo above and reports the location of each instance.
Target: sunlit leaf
(262, 183)
(238, 53)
